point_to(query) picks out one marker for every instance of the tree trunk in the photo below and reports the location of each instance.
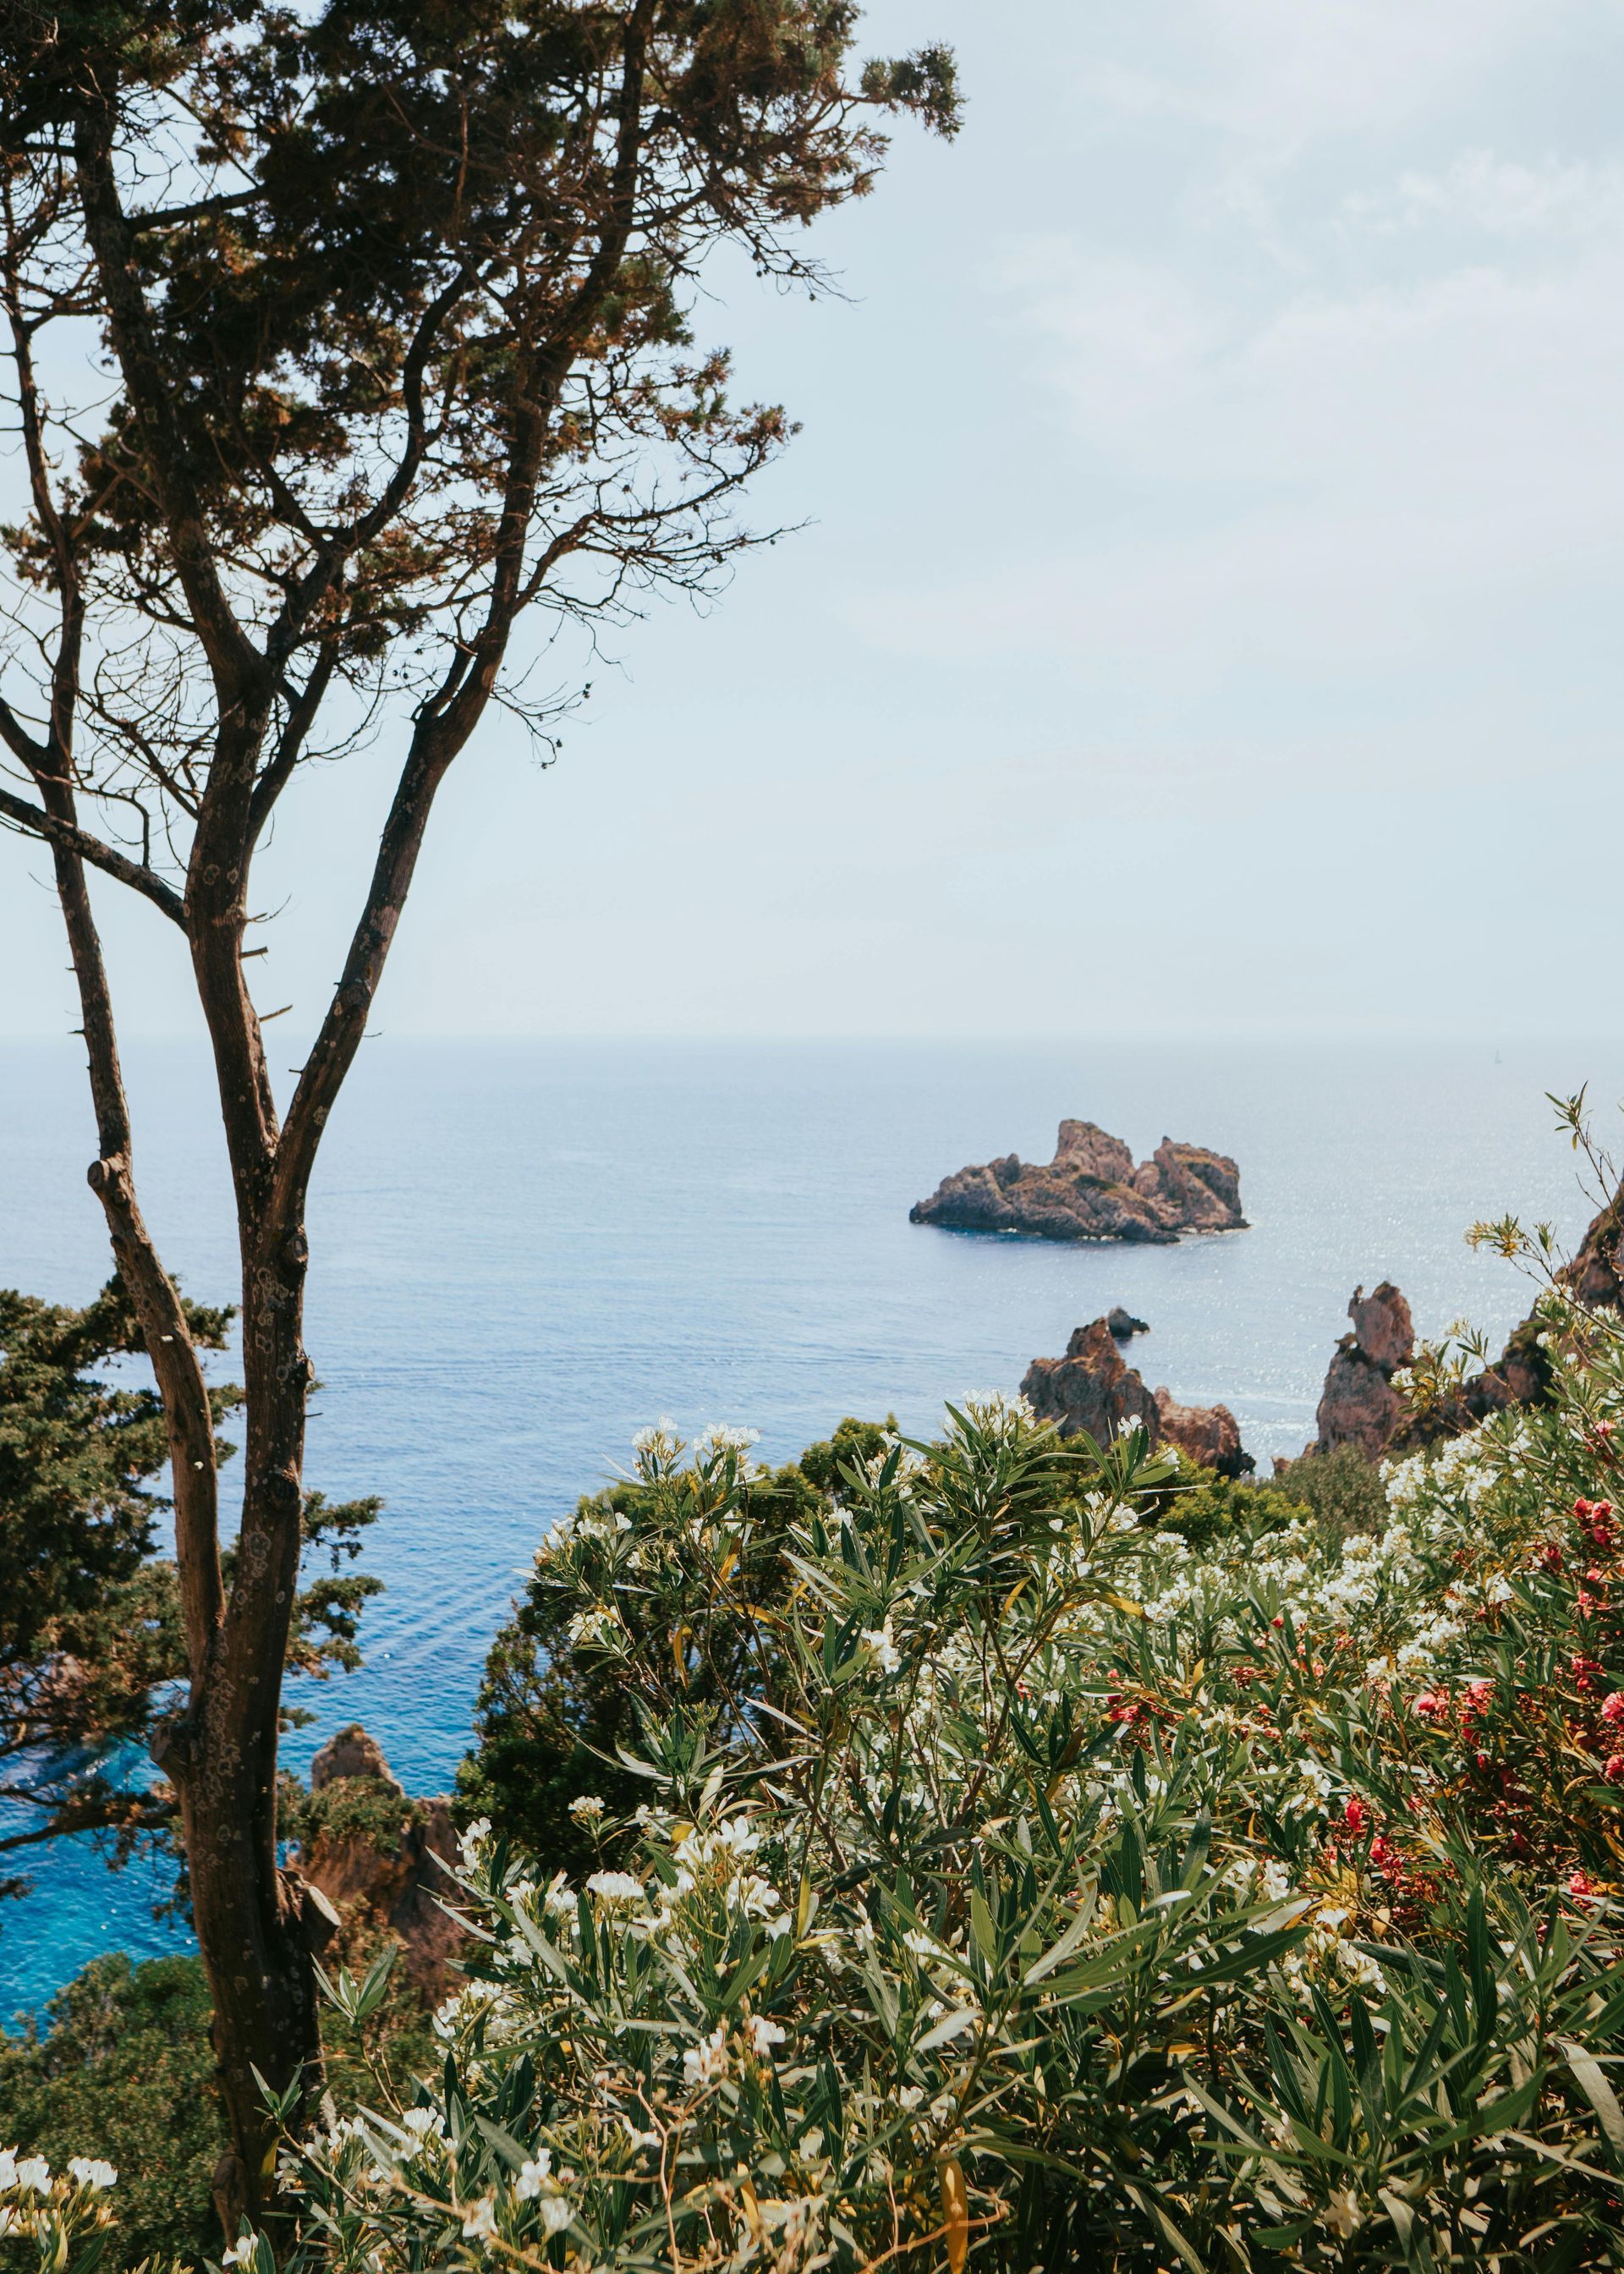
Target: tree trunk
(257, 1926)
(253, 1932)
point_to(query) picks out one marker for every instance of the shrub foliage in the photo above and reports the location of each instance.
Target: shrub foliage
(1020, 1853)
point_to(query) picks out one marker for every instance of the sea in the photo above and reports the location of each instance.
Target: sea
(523, 1252)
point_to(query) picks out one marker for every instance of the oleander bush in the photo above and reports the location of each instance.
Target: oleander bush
(1014, 1883)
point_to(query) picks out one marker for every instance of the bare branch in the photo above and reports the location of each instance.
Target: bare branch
(37, 823)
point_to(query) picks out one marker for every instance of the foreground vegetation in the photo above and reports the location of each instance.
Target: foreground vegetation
(1004, 1851)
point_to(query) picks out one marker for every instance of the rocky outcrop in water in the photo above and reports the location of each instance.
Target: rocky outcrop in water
(369, 1849)
(1359, 1405)
(1095, 1391)
(1091, 1190)
(1092, 1389)
(1208, 1435)
(1123, 1325)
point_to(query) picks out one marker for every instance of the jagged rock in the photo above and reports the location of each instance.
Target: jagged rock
(1359, 1405)
(1124, 1326)
(1093, 1390)
(1209, 1435)
(1091, 1190)
(390, 1866)
(1382, 1327)
(350, 1752)
(1522, 1373)
(1595, 1276)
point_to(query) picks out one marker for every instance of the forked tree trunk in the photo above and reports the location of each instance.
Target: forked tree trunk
(258, 1925)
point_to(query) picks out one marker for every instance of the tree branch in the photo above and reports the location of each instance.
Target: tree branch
(17, 812)
(204, 210)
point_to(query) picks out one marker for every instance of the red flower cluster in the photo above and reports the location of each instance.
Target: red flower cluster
(1595, 1521)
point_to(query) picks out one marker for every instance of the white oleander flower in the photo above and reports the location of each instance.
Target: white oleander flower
(239, 2252)
(615, 1888)
(721, 1437)
(765, 2034)
(534, 2175)
(881, 1647)
(91, 2172)
(597, 1626)
(33, 2171)
(586, 1808)
(480, 2221)
(704, 2063)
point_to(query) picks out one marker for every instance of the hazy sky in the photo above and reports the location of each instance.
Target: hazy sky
(1210, 616)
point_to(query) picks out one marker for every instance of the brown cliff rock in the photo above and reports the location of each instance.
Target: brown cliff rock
(1091, 1190)
(1209, 1435)
(351, 1752)
(1522, 1373)
(1595, 1276)
(1092, 1390)
(374, 1852)
(1359, 1405)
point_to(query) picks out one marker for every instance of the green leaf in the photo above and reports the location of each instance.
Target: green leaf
(1587, 2074)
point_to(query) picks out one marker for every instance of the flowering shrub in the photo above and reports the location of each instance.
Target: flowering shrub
(62, 2217)
(987, 1866)
(1040, 1889)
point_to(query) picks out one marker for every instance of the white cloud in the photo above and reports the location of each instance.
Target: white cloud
(1337, 472)
(1278, 74)
(1500, 197)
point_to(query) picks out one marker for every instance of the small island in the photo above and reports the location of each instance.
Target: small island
(1091, 1190)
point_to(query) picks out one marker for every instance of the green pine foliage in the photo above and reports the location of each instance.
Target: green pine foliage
(121, 2059)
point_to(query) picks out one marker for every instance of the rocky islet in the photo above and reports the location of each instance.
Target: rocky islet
(1091, 1190)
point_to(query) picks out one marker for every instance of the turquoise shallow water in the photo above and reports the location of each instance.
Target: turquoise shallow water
(522, 1253)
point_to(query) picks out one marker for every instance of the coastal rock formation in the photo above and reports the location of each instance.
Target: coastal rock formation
(1124, 1326)
(1093, 1390)
(352, 1752)
(1595, 1276)
(1522, 1373)
(1091, 1190)
(1359, 1405)
(374, 1851)
(1209, 1435)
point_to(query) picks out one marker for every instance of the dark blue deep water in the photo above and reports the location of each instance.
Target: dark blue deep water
(522, 1253)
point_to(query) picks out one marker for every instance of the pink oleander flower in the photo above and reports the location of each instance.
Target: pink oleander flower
(1615, 1769)
(1613, 1708)
(1355, 1815)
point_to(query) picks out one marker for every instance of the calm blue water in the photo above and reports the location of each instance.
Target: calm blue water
(522, 1253)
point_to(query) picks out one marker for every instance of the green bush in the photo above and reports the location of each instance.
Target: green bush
(551, 1716)
(1343, 1490)
(1013, 1882)
(123, 2069)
